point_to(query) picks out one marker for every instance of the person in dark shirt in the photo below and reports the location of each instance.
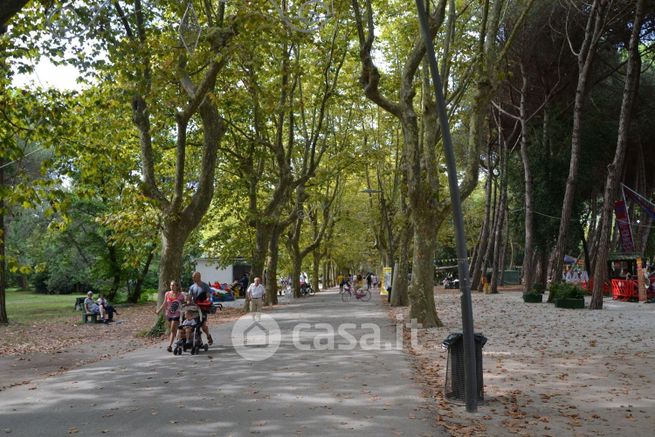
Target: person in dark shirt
(199, 291)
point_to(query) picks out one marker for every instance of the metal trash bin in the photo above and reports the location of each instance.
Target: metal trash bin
(454, 387)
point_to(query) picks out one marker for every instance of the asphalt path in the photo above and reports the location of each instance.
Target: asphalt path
(333, 369)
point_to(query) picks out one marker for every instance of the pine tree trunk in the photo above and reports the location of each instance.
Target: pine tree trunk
(484, 236)
(500, 226)
(629, 92)
(586, 55)
(528, 268)
(488, 253)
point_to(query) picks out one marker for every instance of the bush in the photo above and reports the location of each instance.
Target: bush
(538, 288)
(148, 295)
(564, 290)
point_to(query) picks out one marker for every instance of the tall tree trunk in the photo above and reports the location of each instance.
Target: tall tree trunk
(511, 251)
(488, 253)
(629, 92)
(499, 248)
(541, 265)
(503, 251)
(3, 262)
(399, 293)
(484, 233)
(593, 31)
(528, 268)
(271, 266)
(316, 263)
(327, 277)
(173, 237)
(296, 263)
(500, 226)
(263, 237)
(591, 233)
(421, 290)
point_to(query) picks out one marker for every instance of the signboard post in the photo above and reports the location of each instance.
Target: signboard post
(386, 280)
(641, 282)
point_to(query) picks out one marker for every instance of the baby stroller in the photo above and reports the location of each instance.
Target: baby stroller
(192, 317)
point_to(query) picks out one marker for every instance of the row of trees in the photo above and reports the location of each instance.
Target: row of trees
(237, 129)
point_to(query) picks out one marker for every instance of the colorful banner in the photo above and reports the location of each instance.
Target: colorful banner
(623, 222)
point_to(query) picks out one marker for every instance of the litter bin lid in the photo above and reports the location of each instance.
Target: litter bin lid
(456, 337)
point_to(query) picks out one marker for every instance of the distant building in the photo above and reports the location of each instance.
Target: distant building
(211, 272)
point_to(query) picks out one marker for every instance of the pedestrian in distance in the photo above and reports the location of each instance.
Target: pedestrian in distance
(255, 295)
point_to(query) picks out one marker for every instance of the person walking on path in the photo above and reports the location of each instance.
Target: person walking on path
(255, 295)
(199, 291)
(173, 301)
(244, 281)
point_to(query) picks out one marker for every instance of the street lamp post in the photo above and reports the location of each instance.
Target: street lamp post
(470, 378)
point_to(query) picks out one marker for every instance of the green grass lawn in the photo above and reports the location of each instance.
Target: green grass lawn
(25, 306)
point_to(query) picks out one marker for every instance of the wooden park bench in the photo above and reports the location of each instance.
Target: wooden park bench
(86, 317)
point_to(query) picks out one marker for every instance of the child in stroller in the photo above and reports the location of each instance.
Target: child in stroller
(189, 334)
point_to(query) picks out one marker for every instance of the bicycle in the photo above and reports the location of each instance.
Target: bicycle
(360, 294)
(306, 290)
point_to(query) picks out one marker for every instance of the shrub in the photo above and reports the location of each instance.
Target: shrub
(538, 288)
(564, 290)
(148, 295)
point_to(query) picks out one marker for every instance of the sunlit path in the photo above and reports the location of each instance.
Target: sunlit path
(338, 391)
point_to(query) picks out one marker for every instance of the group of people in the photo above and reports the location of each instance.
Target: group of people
(575, 275)
(100, 307)
(174, 306)
(183, 318)
(358, 281)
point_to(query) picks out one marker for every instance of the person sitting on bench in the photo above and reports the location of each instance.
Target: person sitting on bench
(108, 309)
(90, 307)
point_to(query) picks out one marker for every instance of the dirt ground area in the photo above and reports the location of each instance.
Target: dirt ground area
(547, 371)
(29, 352)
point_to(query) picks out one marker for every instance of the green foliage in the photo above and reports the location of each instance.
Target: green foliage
(538, 288)
(148, 295)
(565, 290)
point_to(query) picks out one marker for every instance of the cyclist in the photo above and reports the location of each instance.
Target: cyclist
(359, 283)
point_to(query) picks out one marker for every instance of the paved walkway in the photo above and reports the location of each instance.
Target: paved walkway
(321, 390)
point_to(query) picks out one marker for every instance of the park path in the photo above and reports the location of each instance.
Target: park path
(328, 392)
